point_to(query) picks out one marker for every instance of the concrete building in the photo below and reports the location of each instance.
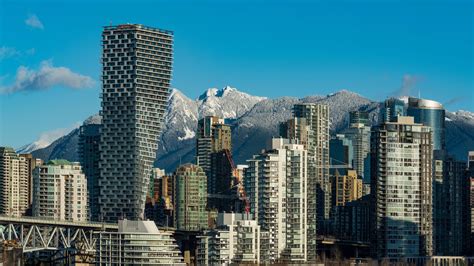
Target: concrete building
(89, 156)
(316, 142)
(213, 135)
(14, 183)
(402, 155)
(60, 191)
(276, 186)
(136, 75)
(235, 241)
(346, 188)
(137, 243)
(431, 114)
(317, 117)
(190, 198)
(32, 164)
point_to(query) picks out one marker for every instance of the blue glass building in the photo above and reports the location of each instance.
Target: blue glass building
(432, 114)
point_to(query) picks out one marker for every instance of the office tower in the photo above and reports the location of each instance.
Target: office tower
(450, 207)
(137, 243)
(359, 117)
(225, 191)
(276, 187)
(345, 188)
(359, 133)
(402, 155)
(341, 153)
(136, 74)
(352, 220)
(60, 191)
(235, 241)
(190, 198)
(14, 183)
(213, 135)
(319, 189)
(391, 109)
(88, 150)
(431, 114)
(32, 163)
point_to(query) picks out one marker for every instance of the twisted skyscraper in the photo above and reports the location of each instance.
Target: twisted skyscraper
(136, 75)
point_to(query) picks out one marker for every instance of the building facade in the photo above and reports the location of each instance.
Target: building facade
(402, 155)
(14, 183)
(359, 133)
(190, 198)
(137, 243)
(213, 135)
(319, 189)
(60, 191)
(136, 75)
(88, 150)
(431, 114)
(346, 188)
(236, 240)
(276, 186)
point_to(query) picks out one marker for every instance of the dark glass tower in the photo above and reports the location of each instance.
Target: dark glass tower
(432, 114)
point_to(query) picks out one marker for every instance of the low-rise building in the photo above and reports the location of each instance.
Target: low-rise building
(236, 240)
(137, 243)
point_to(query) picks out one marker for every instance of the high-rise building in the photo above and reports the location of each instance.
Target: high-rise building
(345, 188)
(60, 191)
(319, 188)
(352, 220)
(136, 75)
(236, 240)
(341, 153)
(359, 117)
(190, 198)
(402, 155)
(276, 187)
(14, 183)
(359, 133)
(450, 207)
(137, 242)
(32, 164)
(213, 135)
(88, 150)
(431, 114)
(391, 109)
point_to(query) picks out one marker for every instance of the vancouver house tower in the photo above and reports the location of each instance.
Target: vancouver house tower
(136, 74)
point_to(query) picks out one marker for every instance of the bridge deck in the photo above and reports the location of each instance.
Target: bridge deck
(39, 221)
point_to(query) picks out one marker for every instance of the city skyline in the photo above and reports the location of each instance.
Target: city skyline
(427, 54)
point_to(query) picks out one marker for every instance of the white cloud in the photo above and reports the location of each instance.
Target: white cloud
(34, 22)
(46, 77)
(6, 52)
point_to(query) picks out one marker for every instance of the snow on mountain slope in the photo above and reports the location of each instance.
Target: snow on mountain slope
(254, 121)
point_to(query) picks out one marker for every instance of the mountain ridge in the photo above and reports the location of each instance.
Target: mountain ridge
(254, 120)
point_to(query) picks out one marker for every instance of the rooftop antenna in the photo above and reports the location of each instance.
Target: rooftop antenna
(419, 93)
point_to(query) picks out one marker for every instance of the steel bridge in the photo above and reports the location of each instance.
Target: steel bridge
(63, 239)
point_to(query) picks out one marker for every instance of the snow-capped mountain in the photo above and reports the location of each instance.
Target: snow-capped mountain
(254, 121)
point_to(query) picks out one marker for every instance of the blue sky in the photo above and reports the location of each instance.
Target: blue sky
(282, 48)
